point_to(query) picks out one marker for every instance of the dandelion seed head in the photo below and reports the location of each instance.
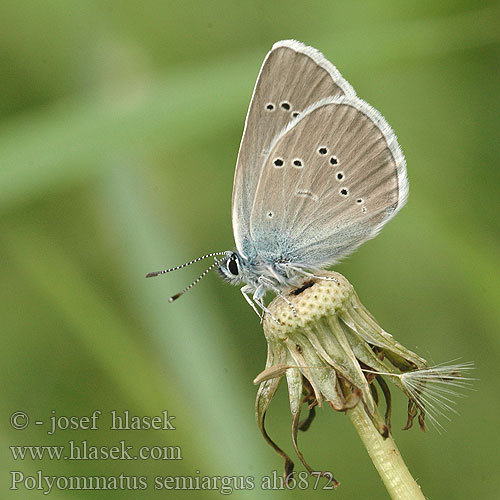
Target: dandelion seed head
(324, 298)
(330, 349)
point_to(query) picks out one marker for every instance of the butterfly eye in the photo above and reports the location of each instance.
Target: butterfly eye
(233, 267)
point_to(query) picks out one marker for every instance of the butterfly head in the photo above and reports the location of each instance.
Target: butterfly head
(230, 268)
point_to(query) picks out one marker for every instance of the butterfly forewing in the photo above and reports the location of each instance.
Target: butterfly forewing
(292, 78)
(331, 180)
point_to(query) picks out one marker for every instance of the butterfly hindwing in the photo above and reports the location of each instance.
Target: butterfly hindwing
(331, 180)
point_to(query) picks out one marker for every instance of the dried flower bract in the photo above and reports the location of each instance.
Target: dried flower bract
(331, 349)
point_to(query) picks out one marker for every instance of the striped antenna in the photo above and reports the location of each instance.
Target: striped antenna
(202, 275)
(157, 273)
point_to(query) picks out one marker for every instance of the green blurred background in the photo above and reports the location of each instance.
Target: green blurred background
(120, 125)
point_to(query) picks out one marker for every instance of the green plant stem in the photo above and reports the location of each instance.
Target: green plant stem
(386, 458)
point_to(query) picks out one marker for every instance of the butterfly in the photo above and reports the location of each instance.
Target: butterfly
(319, 172)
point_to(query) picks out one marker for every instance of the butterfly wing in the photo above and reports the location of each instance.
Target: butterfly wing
(292, 78)
(332, 178)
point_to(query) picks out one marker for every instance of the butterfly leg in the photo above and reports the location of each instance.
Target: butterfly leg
(312, 275)
(244, 291)
(276, 290)
(258, 298)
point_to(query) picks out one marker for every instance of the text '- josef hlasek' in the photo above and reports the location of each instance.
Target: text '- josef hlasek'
(117, 421)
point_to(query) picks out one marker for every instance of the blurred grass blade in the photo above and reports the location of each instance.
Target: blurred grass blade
(68, 141)
(104, 334)
(188, 333)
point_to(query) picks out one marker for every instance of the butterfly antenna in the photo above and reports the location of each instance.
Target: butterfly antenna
(157, 273)
(202, 275)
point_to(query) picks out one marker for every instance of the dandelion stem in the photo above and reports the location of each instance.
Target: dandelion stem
(386, 458)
